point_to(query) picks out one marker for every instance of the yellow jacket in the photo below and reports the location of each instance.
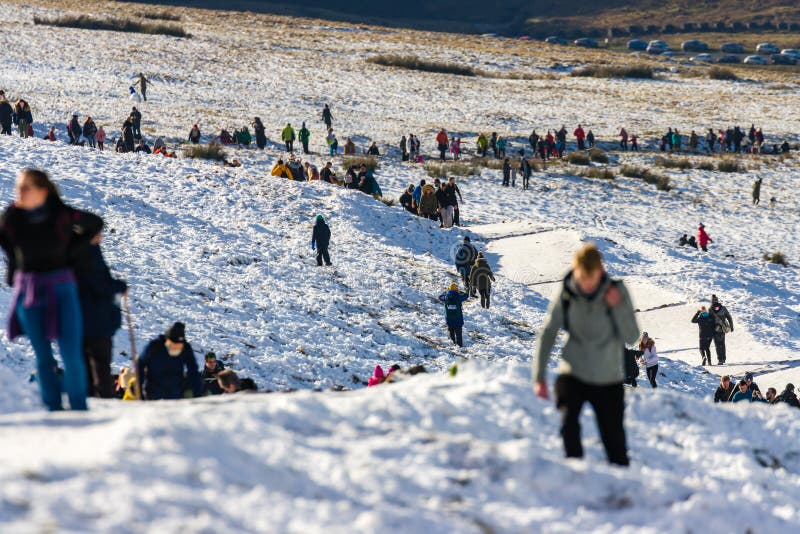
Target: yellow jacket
(282, 170)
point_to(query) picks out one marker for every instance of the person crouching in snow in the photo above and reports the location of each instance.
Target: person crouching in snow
(454, 316)
(649, 357)
(320, 239)
(162, 365)
(230, 382)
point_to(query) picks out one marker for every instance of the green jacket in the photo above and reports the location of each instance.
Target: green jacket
(596, 334)
(304, 135)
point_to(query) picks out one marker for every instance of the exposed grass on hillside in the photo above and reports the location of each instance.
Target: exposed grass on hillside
(578, 158)
(615, 71)
(598, 173)
(721, 73)
(598, 156)
(778, 258)
(662, 183)
(371, 162)
(412, 62)
(705, 166)
(729, 165)
(111, 24)
(158, 16)
(213, 152)
(673, 163)
(440, 169)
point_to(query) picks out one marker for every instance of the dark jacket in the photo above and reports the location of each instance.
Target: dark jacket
(706, 323)
(721, 316)
(452, 307)
(97, 291)
(75, 128)
(442, 197)
(789, 398)
(52, 238)
(407, 201)
(298, 172)
(261, 137)
(321, 236)
(724, 395)
(481, 276)
(163, 376)
(366, 182)
(466, 255)
(631, 366)
(209, 379)
(6, 112)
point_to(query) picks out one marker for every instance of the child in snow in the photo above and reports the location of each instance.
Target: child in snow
(452, 299)
(703, 239)
(379, 377)
(649, 357)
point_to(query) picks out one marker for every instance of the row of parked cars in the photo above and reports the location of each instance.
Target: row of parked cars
(776, 56)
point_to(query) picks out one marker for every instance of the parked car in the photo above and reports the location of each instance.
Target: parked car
(731, 48)
(554, 39)
(767, 48)
(657, 47)
(791, 52)
(586, 42)
(693, 45)
(755, 60)
(637, 44)
(783, 59)
(729, 59)
(702, 58)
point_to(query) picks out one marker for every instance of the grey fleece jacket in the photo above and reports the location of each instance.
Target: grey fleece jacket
(597, 334)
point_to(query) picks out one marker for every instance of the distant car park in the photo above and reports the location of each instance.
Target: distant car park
(586, 42)
(637, 44)
(729, 59)
(783, 59)
(693, 45)
(731, 48)
(702, 58)
(553, 39)
(755, 60)
(657, 47)
(767, 48)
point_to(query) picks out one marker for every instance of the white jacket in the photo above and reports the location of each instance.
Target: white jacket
(650, 356)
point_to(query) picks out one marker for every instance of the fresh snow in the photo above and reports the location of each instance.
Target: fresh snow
(227, 250)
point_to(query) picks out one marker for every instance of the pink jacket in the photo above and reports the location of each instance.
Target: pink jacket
(100, 136)
(378, 377)
(703, 238)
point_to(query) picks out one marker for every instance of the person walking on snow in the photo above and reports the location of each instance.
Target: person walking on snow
(723, 324)
(623, 140)
(168, 366)
(287, 136)
(327, 118)
(304, 136)
(580, 137)
(142, 83)
(706, 325)
(703, 239)
(465, 257)
(481, 278)
(6, 115)
(260, 131)
(43, 238)
(454, 315)
(757, 191)
(599, 319)
(649, 358)
(320, 239)
(194, 135)
(442, 143)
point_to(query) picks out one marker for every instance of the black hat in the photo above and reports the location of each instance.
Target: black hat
(210, 354)
(177, 333)
(790, 386)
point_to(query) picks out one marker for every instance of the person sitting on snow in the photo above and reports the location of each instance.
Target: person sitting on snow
(211, 369)
(230, 382)
(167, 365)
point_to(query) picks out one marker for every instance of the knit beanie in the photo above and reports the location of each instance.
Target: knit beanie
(453, 287)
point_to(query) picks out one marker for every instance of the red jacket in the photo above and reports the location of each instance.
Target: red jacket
(579, 134)
(441, 138)
(623, 134)
(703, 238)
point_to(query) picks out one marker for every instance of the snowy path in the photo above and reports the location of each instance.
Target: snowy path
(539, 255)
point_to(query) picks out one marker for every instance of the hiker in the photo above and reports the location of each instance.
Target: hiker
(417, 194)
(211, 368)
(327, 174)
(694, 141)
(788, 396)
(194, 135)
(89, 131)
(442, 144)
(649, 358)
(407, 199)
(725, 390)
(598, 316)
(100, 137)
(42, 238)
(333, 143)
(230, 382)
(24, 117)
(501, 147)
(710, 138)
(142, 83)
(403, 149)
(757, 191)
(287, 136)
(454, 195)
(483, 145)
(304, 135)
(136, 122)
(465, 256)
(260, 132)
(445, 201)
(561, 141)
(481, 278)
(506, 172)
(590, 139)
(282, 171)
(455, 148)
(74, 130)
(327, 118)
(99, 295)
(533, 140)
(723, 324)
(320, 239)
(493, 143)
(703, 239)
(428, 206)
(6, 115)
(580, 137)
(373, 150)
(623, 140)
(454, 316)
(634, 143)
(541, 148)
(631, 367)
(706, 324)
(526, 170)
(143, 148)
(168, 366)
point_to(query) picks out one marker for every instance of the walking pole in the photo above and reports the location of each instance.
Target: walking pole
(127, 307)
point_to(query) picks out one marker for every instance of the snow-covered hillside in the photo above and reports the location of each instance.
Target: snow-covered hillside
(227, 250)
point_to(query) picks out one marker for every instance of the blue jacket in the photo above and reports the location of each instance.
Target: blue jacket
(452, 307)
(97, 291)
(162, 375)
(417, 194)
(739, 396)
